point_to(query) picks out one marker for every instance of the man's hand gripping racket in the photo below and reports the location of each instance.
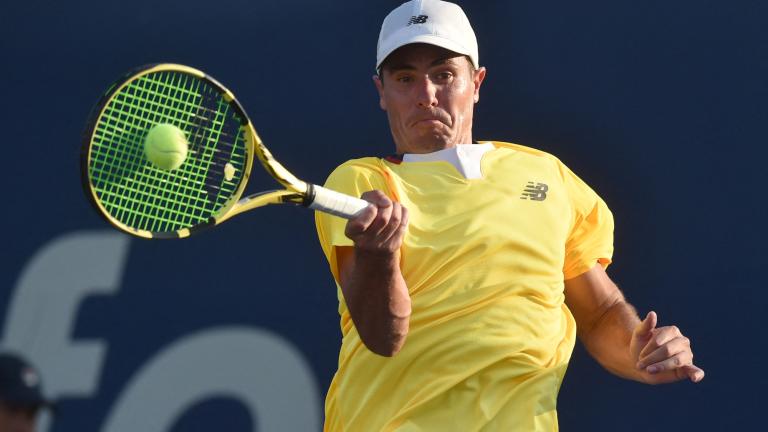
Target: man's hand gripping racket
(189, 173)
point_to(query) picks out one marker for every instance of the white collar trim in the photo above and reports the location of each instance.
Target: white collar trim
(464, 157)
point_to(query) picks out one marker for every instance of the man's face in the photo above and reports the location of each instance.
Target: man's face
(16, 418)
(429, 95)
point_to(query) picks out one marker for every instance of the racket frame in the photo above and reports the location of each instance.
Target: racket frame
(296, 191)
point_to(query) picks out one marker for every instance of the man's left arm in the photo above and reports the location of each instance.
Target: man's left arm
(614, 335)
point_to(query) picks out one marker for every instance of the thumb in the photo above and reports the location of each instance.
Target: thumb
(377, 198)
(361, 222)
(647, 325)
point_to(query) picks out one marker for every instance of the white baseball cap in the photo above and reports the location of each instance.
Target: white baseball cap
(432, 22)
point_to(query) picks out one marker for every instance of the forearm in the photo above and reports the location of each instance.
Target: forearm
(613, 334)
(378, 301)
(608, 338)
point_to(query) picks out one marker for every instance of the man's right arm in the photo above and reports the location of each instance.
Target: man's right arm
(373, 286)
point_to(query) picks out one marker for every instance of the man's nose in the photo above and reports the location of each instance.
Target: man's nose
(426, 93)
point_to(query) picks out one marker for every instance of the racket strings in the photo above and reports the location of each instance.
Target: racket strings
(206, 126)
(145, 197)
(140, 188)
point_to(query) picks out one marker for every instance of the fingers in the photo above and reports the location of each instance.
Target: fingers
(384, 207)
(380, 227)
(666, 355)
(377, 198)
(672, 354)
(660, 337)
(691, 372)
(398, 221)
(667, 343)
(694, 373)
(359, 224)
(368, 216)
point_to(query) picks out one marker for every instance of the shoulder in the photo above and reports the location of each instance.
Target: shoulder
(529, 151)
(356, 168)
(531, 154)
(535, 160)
(364, 163)
(358, 175)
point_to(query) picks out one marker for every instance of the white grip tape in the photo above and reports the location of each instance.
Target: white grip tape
(336, 203)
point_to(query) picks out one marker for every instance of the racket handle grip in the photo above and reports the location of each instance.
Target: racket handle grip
(335, 203)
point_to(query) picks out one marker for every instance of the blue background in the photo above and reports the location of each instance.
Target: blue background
(660, 106)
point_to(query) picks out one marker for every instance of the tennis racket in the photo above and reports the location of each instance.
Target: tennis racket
(144, 200)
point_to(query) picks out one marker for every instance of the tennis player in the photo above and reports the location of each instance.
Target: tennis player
(463, 288)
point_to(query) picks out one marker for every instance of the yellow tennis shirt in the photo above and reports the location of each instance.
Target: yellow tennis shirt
(484, 260)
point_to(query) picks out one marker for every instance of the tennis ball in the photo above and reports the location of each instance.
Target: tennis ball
(166, 146)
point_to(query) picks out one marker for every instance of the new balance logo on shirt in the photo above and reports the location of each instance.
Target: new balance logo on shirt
(421, 19)
(535, 191)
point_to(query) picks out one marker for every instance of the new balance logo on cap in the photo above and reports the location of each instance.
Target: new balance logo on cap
(438, 23)
(535, 191)
(421, 19)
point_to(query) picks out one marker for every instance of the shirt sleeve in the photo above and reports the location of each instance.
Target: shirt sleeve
(352, 178)
(590, 240)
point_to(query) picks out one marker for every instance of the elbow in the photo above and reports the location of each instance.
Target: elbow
(387, 340)
(389, 345)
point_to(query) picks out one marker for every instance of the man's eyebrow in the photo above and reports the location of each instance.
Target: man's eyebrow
(443, 60)
(400, 66)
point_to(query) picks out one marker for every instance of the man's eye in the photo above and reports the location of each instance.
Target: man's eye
(444, 76)
(404, 79)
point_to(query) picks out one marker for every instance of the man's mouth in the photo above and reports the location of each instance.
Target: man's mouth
(428, 120)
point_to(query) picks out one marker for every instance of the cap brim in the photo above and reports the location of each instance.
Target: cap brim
(28, 400)
(427, 39)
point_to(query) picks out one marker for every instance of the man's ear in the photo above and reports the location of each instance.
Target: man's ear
(478, 81)
(380, 88)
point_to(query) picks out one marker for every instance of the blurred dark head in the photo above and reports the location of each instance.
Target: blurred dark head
(21, 394)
